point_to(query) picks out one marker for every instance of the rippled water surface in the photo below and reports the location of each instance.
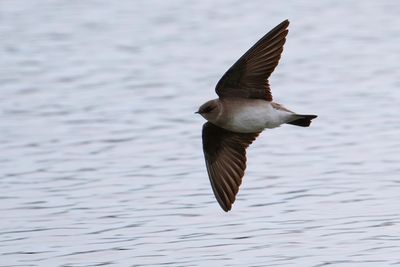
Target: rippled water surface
(101, 161)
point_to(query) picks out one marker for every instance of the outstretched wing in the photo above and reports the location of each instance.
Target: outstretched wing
(248, 77)
(225, 155)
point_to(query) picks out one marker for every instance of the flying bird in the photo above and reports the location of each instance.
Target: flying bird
(242, 111)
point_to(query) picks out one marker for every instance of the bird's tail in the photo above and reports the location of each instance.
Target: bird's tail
(302, 120)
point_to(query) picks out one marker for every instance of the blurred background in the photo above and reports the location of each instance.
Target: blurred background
(101, 159)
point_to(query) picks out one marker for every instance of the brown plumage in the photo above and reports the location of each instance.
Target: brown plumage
(248, 77)
(243, 110)
(225, 155)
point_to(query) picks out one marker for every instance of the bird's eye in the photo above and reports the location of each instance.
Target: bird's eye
(208, 109)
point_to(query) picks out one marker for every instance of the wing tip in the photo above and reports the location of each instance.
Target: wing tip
(226, 205)
(286, 22)
(226, 208)
(284, 25)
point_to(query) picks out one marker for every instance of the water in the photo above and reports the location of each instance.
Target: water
(101, 161)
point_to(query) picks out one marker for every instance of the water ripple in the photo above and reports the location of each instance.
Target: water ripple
(101, 161)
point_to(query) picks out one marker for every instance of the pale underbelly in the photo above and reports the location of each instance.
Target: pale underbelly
(256, 119)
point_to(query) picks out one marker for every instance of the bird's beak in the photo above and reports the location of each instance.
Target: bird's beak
(197, 112)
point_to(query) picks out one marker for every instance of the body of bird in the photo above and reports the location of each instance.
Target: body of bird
(243, 110)
(249, 115)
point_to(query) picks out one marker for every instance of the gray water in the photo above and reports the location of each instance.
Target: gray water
(101, 160)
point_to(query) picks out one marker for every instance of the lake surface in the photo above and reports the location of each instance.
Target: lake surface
(101, 159)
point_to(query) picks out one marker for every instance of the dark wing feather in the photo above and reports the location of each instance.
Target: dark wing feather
(248, 77)
(225, 155)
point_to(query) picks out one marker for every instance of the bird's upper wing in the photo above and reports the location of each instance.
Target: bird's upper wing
(225, 155)
(248, 77)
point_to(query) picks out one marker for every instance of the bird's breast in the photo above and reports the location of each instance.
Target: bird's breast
(252, 116)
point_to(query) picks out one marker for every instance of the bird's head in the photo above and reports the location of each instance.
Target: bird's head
(209, 110)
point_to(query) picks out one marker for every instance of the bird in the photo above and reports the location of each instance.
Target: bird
(243, 109)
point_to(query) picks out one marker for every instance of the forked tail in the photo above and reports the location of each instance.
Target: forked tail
(302, 120)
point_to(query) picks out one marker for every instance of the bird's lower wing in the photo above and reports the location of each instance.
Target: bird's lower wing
(225, 155)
